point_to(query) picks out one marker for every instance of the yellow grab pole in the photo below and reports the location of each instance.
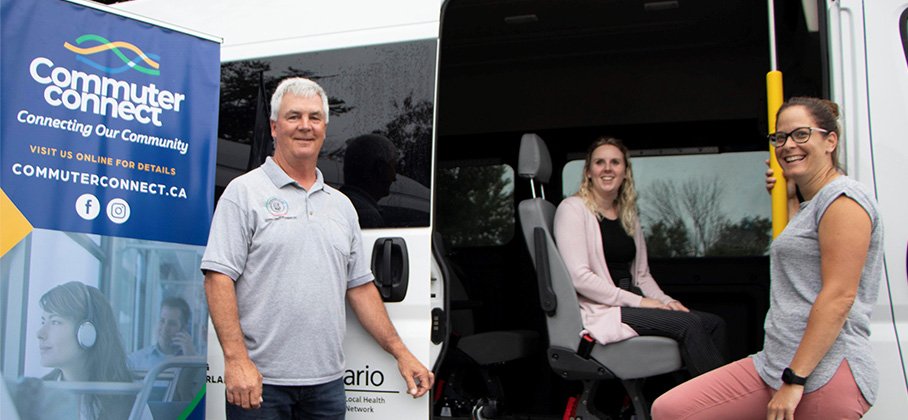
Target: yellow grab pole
(779, 191)
(774, 100)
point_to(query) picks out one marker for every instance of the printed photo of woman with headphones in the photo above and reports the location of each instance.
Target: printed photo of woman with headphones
(79, 339)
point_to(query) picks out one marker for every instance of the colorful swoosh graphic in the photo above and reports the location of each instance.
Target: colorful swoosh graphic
(150, 66)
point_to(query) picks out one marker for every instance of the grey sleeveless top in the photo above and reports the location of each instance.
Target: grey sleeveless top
(796, 282)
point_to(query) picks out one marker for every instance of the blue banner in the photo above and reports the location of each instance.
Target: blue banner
(108, 129)
(111, 119)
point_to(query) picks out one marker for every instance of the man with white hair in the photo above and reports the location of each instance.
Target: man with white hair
(283, 253)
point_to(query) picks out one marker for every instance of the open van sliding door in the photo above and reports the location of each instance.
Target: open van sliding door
(869, 66)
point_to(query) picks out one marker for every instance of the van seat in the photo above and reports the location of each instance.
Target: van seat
(630, 360)
(487, 350)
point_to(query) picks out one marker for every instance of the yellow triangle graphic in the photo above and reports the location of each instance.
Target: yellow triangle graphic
(13, 224)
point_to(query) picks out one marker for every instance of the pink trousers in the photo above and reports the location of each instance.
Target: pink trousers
(736, 391)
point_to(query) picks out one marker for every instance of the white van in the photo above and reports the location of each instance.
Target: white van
(455, 84)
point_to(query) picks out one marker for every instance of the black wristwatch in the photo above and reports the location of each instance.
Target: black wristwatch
(789, 377)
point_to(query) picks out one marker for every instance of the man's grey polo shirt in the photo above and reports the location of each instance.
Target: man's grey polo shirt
(292, 254)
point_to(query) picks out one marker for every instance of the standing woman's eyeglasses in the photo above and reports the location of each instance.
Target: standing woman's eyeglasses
(800, 135)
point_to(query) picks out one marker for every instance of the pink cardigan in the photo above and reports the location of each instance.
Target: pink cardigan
(580, 243)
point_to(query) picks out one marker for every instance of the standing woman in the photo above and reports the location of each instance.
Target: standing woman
(79, 339)
(825, 268)
(600, 240)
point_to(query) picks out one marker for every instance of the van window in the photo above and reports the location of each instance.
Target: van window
(476, 204)
(698, 205)
(378, 147)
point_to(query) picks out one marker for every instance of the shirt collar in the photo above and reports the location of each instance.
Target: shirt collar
(280, 178)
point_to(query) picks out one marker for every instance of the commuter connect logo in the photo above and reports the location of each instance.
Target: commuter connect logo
(105, 96)
(96, 44)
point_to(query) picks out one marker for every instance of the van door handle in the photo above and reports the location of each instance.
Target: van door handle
(391, 268)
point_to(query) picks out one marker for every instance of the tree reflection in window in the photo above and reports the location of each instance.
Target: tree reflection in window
(697, 205)
(239, 90)
(476, 205)
(687, 219)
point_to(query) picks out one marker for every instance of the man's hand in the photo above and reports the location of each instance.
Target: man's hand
(370, 310)
(784, 402)
(183, 341)
(244, 383)
(419, 379)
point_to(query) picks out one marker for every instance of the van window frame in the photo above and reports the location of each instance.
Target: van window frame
(903, 31)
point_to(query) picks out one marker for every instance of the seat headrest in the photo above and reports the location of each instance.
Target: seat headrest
(534, 160)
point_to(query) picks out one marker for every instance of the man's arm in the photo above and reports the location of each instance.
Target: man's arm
(369, 308)
(242, 378)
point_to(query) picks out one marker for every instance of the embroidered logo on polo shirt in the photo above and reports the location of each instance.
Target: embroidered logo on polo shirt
(277, 207)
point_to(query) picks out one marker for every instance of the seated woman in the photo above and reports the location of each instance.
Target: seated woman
(79, 339)
(826, 268)
(601, 242)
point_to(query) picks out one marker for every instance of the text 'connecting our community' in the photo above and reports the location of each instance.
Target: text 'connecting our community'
(74, 125)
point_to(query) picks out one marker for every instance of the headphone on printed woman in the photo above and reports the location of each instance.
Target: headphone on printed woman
(87, 334)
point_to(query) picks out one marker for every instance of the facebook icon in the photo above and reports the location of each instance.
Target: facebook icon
(87, 207)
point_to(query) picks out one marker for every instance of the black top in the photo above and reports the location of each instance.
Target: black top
(619, 249)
